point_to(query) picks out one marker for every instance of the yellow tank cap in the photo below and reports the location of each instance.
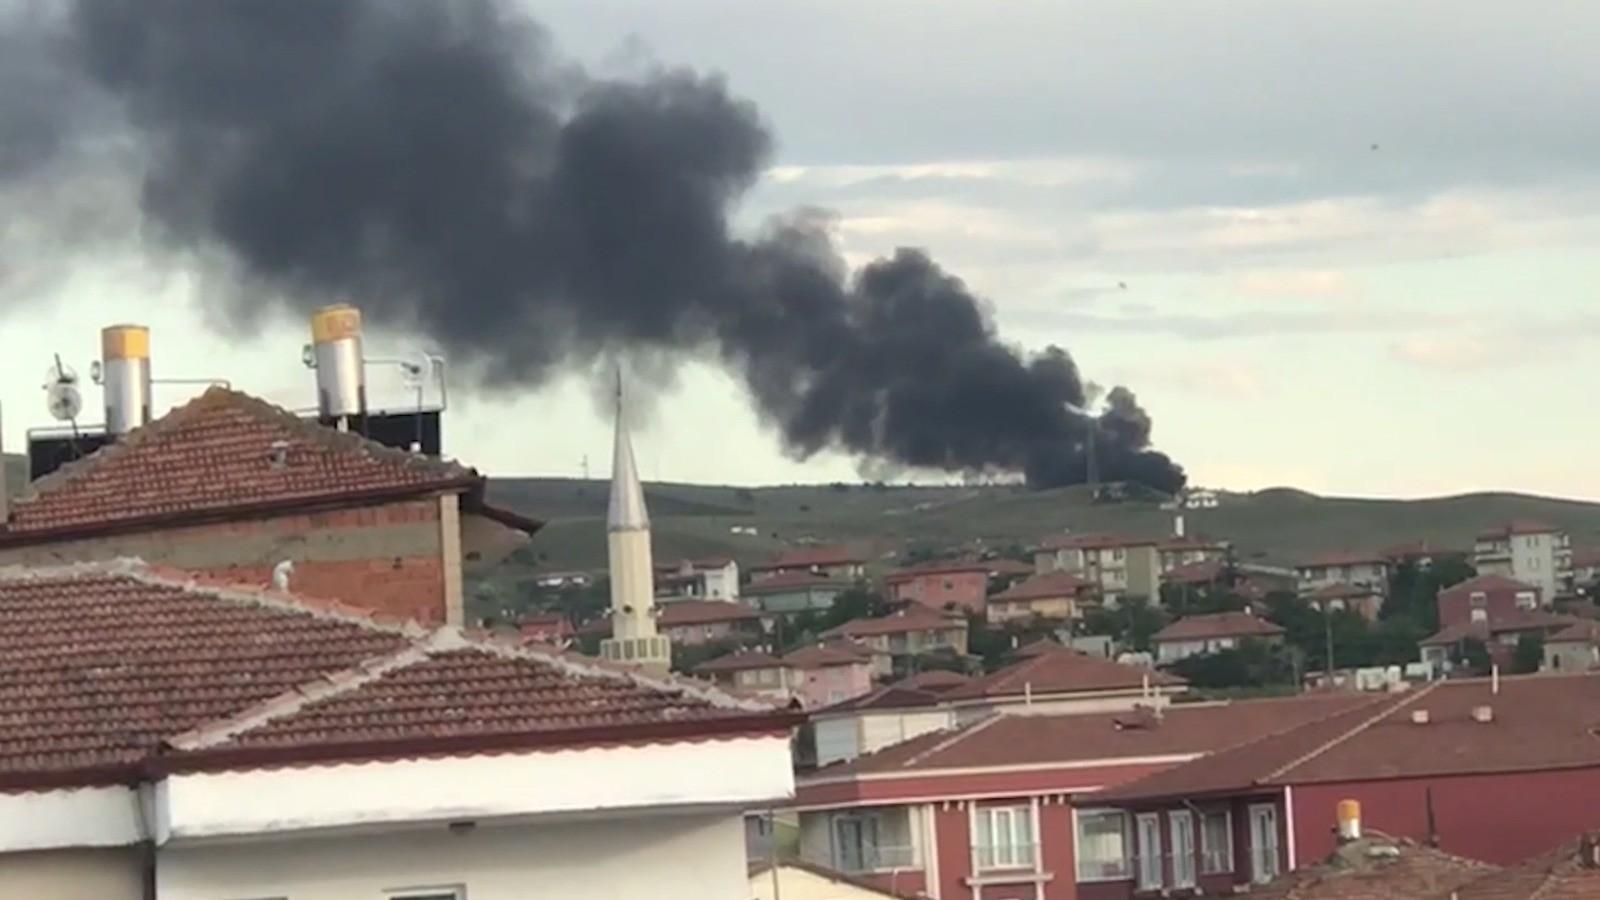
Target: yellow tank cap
(125, 342)
(335, 323)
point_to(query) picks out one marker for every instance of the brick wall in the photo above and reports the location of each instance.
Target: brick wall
(385, 557)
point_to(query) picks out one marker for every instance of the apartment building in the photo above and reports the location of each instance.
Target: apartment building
(1528, 551)
(1117, 566)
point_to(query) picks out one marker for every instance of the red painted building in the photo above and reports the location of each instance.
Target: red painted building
(941, 585)
(1487, 598)
(987, 810)
(1491, 774)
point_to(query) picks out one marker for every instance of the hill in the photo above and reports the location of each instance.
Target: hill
(1274, 526)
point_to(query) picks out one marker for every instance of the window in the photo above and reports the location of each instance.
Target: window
(1216, 843)
(1180, 829)
(1526, 600)
(1480, 615)
(1005, 837)
(1479, 599)
(1152, 873)
(1264, 843)
(1102, 845)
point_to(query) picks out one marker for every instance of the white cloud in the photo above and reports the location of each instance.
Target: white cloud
(1306, 283)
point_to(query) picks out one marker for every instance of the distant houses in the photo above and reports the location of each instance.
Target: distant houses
(1193, 635)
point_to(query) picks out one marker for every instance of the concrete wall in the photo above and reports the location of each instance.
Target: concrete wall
(661, 857)
(88, 874)
(389, 557)
(799, 884)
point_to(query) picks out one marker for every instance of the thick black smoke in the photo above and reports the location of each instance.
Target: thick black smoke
(437, 164)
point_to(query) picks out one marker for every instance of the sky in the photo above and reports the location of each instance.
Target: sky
(1343, 246)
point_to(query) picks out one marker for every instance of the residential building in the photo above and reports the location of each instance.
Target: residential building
(828, 674)
(794, 879)
(563, 580)
(170, 739)
(1532, 552)
(1176, 552)
(838, 562)
(1568, 872)
(1490, 769)
(701, 579)
(1575, 648)
(1499, 637)
(945, 584)
(1049, 679)
(1117, 566)
(1058, 596)
(1361, 569)
(752, 672)
(1487, 598)
(908, 632)
(1420, 554)
(1366, 602)
(230, 487)
(1212, 633)
(690, 622)
(985, 809)
(1586, 568)
(794, 592)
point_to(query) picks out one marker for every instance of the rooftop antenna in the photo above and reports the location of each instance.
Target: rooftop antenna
(61, 395)
(586, 467)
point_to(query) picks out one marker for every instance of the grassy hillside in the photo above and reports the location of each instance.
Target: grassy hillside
(1277, 526)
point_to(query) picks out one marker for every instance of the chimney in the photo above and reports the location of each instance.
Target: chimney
(125, 377)
(1349, 815)
(335, 353)
(1484, 714)
(1419, 717)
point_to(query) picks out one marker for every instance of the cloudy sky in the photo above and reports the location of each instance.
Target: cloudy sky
(1345, 246)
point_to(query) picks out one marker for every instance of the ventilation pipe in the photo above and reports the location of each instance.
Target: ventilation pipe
(125, 377)
(335, 353)
(1349, 814)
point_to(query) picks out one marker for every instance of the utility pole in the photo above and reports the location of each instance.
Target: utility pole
(1327, 627)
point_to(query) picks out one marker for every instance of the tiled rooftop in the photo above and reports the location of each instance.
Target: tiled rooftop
(912, 618)
(1061, 670)
(1569, 872)
(703, 612)
(100, 665)
(1049, 586)
(1218, 625)
(1376, 867)
(221, 452)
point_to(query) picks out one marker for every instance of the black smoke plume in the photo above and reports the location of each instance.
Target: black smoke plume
(436, 163)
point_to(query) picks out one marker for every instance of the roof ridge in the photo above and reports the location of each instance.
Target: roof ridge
(960, 735)
(1388, 708)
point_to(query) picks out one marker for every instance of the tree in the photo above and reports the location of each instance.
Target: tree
(1474, 655)
(1414, 590)
(1252, 664)
(1131, 622)
(1529, 656)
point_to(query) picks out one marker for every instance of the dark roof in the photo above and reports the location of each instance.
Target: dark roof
(1537, 722)
(807, 557)
(936, 680)
(1093, 542)
(1043, 740)
(1517, 526)
(1569, 872)
(1175, 544)
(703, 612)
(1343, 558)
(1203, 572)
(792, 581)
(912, 618)
(101, 665)
(938, 567)
(1060, 671)
(823, 655)
(1048, 586)
(1218, 625)
(1375, 867)
(1580, 631)
(218, 455)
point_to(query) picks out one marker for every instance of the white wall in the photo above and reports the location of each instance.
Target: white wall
(83, 874)
(660, 857)
(798, 884)
(879, 730)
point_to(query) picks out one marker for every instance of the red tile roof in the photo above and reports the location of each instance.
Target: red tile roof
(1093, 542)
(1517, 526)
(1060, 671)
(703, 612)
(1203, 572)
(741, 661)
(1218, 625)
(935, 680)
(1049, 586)
(1487, 584)
(913, 618)
(1581, 631)
(1538, 722)
(1376, 867)
(939, 567)
(923, 689)
(219, 454)
(1177, 544)
(1569, 872)
(1044, 740)
(822, 656)
(1009, 567)
(101, 665)
(1506, 623)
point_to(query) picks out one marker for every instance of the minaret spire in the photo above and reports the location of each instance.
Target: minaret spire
(633, 614)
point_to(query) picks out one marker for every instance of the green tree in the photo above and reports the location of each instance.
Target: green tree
(1251, 664)
(1474, 655)
(1131, 622)
(1529, 656)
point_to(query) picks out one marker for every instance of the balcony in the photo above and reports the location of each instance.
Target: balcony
(1003, 857)
(869, 859)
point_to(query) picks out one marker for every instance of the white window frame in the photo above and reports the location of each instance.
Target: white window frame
(1185, 868)
(1208, 852)
(452, 891)
(1260, 874)
(1124, 869)
(1150, 870)
(1015, 823)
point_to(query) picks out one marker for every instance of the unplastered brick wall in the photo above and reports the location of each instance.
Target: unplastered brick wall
(386, 557)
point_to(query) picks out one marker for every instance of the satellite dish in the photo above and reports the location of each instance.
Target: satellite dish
(415, 371)
(63, 401)
(59, 373)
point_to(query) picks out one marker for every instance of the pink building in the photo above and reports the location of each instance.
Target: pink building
(941, 585)
(1487, 598)
(829, 673)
